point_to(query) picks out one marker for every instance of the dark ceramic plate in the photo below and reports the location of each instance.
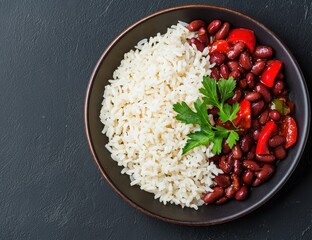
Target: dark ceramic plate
(144, 201)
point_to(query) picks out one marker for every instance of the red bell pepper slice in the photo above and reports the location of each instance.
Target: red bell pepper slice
(270, 72)
(220, 46)
(243, 119)
(265, 134)
(244, 35)
(289, 130)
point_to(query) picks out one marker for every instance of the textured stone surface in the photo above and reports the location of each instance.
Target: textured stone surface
(50, 187)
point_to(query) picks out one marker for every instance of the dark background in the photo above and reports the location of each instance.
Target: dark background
(50, 187)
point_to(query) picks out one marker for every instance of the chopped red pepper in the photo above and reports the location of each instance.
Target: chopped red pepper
(244, 35)
(265, 134)
(243, 119)
(220, 46)
(289, 130)
(270, 72)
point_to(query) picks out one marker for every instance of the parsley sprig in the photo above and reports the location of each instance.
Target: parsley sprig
(226, 90)
(215, 94)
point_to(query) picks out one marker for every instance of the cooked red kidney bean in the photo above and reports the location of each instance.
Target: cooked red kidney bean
(257, 107)
(235, 50)
(223, 32)
(236, 181)
(291, 106)
(238, 93)
(237, 152)
(200, 46)
(242, 193)
(235, 74)
(203, 36)
(275, 115)
(276, 141)
(266, 172)
(264, 91)
(242, 83)
(230, 191)
(224, 71)
(280, 152)
(226, 125)
(251, 153)
(253, 148)
(223, 180)
(267, 158)
(264, 117)
(248, 177)
(241, 133)
(211, 197)
(215, 73)
(256, 182)
(196, 25)
(225, 147)
(215, 158)
(251, 165)
(250, 79)
(226, 164)
(279, 77)
(217, 58)
(237, 167)
(245, 60)
(258, 67)
(278, 87)
(214, 111)
(284, 93)
(256, 135)
(246, 143)
(214, 26)
(255, 124)
(253, 96)
(263, 52)
(221, 200)
(240, 69)
(233, 65)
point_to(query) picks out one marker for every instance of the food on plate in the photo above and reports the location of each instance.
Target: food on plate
(263, 122)
(199, 114)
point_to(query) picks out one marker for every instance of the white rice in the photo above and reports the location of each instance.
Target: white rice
(144, 136)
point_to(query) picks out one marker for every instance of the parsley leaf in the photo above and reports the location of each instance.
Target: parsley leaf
(188, 116)
(232, 138)
(228, 112)
(217, 145)
(221, 133)
(210, 91)
(199, 138)
(201, 109)
(226, 88)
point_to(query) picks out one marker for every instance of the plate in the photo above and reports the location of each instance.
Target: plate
(145, 202)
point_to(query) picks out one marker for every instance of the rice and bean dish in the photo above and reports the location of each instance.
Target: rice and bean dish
(198, 115)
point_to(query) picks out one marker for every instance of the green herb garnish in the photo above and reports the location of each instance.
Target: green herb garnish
(226, 90)
(208, 133)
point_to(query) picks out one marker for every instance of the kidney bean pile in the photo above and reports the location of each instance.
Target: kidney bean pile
(265, 120)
